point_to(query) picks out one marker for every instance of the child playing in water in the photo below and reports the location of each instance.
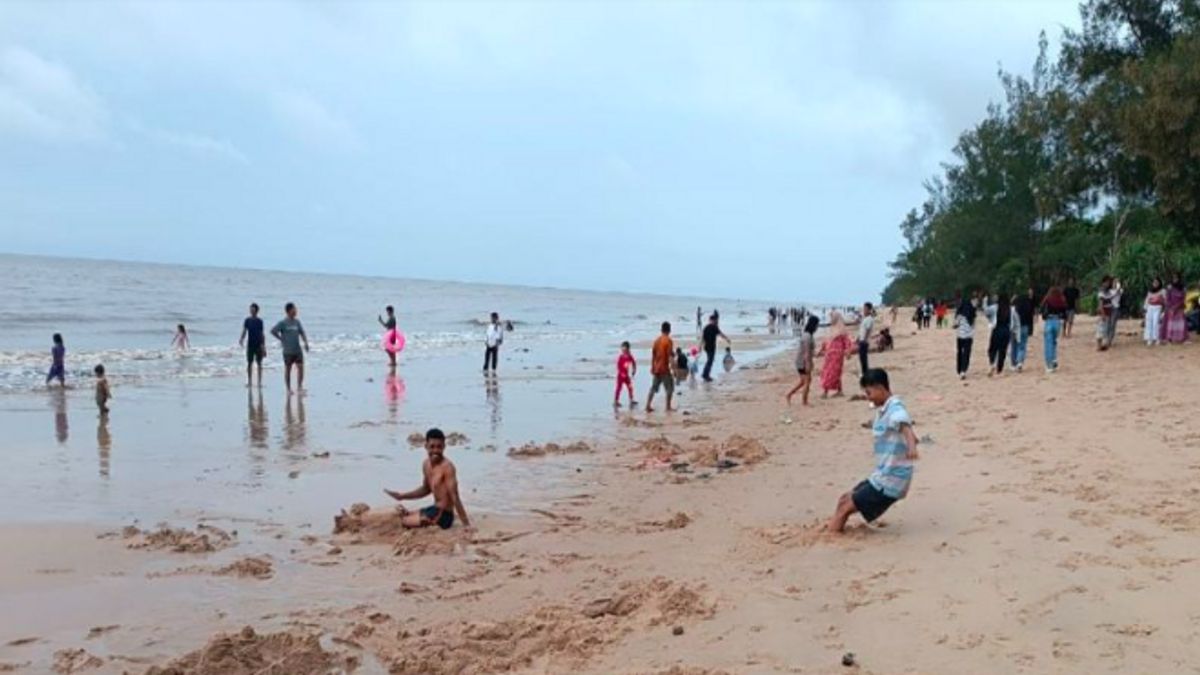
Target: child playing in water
(103, 394)
(58, 370)
(895, 452)
(626, 369)
(728, 362)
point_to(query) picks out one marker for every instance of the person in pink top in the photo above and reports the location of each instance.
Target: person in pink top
(626, 369)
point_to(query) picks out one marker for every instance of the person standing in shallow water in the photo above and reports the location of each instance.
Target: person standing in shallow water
(254, 339)
(58, 366)
(389, 326)
(290, 333)
(492, 339)
(709, 337)
(180, 341)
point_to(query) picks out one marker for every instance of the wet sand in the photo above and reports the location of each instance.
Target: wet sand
(1050, 528)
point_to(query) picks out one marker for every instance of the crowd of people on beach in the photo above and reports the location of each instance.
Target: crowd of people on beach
(1169, 313)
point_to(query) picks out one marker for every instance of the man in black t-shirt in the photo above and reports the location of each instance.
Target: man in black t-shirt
(1072, 294)
(709, 337)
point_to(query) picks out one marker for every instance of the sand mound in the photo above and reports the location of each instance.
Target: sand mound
(248, 653)
(660, 447)
(676, 522)
(551, 639)
(205, 539)
(535, 450)
(67, 661)
(746, 450)
(258, 568)
(362, 525)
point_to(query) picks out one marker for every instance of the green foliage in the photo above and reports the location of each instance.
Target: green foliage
(1091, 165)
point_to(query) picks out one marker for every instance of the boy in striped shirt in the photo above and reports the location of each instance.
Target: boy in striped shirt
(895, 452)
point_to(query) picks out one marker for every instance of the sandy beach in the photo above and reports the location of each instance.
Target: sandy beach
(1051, 528)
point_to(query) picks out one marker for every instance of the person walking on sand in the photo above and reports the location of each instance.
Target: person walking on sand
(709, 338)
(440, 479)
(805, 360)
(895, 451)
(290, 333)
(1023, 306)
(626, 371)
(1071, 293)
(254, 340)
(836, 351)
(389, 330)
(964, 333)
(1001, 334)
(58, 362)
(1109, 297)
(1174, 320)
(1054, 314)
(660, 368)
(1156, 300)
(865, 327)
(492, 339)
(180, 341)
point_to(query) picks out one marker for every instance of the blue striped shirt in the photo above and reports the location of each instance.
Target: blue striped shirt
(893, 469)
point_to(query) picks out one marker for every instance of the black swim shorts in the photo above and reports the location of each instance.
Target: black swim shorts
(870, 502)
(444, 519)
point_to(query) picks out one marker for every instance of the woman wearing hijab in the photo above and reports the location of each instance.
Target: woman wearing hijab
(836, 350)
(1156, 299)
(1175, 324)
(964, 329)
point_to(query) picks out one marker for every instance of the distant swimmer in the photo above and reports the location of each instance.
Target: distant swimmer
(390, 336)
(254, 340)
(180, 341)
(58, 366)
(440, 479)
(492, 339)
(290, 333)
(103, 393)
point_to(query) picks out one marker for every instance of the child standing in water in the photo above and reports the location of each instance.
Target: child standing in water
(103, 394)
(58, 369)
(626, 370)
(180, 342)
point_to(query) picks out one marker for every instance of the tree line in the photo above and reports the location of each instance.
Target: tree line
(1090, 165)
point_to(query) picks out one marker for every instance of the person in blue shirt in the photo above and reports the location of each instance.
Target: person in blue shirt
(895, 452)
(254, 340)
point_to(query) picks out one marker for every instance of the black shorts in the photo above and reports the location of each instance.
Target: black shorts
(255, 354)
(292, 359)
(802, 371)
(870, 502)
(443, 519)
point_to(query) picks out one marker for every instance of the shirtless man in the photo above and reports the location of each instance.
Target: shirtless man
(441, 481)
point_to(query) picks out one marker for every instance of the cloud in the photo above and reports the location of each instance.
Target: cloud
(43, 101)
(307, 120)
(196, 144)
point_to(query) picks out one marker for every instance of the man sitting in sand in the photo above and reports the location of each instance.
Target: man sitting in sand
(441, 481)
(895, 451)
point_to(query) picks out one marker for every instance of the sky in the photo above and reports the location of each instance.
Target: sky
(742, 150)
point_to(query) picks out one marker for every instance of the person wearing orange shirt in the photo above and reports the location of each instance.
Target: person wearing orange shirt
(660, 367)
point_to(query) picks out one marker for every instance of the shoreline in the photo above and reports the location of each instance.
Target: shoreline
(1033, 541)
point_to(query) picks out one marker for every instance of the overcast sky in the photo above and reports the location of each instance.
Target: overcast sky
(728, 149)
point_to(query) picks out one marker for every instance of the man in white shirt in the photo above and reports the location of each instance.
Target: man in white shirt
(865, 327)
(493, 339)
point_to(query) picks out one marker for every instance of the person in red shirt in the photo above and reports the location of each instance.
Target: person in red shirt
(660, 367)
(626, 370)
